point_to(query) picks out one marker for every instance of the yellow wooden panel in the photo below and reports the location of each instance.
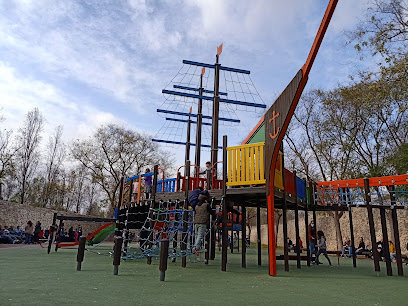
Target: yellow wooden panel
(278, 174)
(229, 165)
(257, 163)
(234, 162)
(243, 160)
(252, 168)
(262, 163)
(246, 164)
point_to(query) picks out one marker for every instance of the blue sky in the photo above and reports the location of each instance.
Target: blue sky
(87, 63)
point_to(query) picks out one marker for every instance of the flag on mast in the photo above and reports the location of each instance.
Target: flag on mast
(219, 50)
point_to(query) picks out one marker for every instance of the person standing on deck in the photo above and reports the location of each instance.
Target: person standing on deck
(148, 184)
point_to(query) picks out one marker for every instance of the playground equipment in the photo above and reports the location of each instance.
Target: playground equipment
(253, 176)
(94, 238)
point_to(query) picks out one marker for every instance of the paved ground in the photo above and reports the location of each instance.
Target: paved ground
(29, 276)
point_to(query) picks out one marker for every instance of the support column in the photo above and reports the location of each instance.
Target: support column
(297, 238)
(258, 233)
(353, 246)
(396, 231)
(224, 208)
(307, 226)
(347, 199)
(385, 241)
(285, 233)
(184, 235)
(371, 224)
(243, 226)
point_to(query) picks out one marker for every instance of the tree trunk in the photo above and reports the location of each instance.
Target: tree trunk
(337, 216)
(22, 192)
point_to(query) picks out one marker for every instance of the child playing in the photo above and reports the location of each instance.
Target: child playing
(201, 219)
(322, 248)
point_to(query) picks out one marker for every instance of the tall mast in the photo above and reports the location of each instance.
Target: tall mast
(199, 125)
(188, 138)
(216, 111)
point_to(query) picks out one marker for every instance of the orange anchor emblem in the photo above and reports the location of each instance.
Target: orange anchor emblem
(275, 131)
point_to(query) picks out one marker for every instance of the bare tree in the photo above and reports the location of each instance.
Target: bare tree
(113, 152)
(54, 159)
(6, 157)
(28, 141)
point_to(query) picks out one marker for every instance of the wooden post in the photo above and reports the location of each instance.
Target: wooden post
(152, 207)
(164, 255)
(353, 246)
(371, 224)
(238, 240)
(243, 226)
(130, 191)
(52, 232)
(212, 234)
(396, 231)
(117, 249)
(258, 233)
(285, 217)
(232, 237)
(81, 252)
(346, 199)
(385, 241)
(307, 226)
(224, 208)
(285, 233)
(184, 235)
(298, 265)
(314, 211)
(58, 235)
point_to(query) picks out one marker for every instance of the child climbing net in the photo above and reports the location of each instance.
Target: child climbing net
(169, 221)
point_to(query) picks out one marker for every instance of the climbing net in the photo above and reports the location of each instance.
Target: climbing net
(169, 221)
(233, 86)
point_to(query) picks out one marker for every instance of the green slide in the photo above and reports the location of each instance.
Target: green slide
(101, 236)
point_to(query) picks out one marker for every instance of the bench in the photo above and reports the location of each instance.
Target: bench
(293, 257)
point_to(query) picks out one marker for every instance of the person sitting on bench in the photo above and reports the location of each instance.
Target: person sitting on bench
(347, 245)
(361, 247)
(380, 248)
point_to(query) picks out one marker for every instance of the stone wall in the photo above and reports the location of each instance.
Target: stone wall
(325, 222)
(19, 214)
